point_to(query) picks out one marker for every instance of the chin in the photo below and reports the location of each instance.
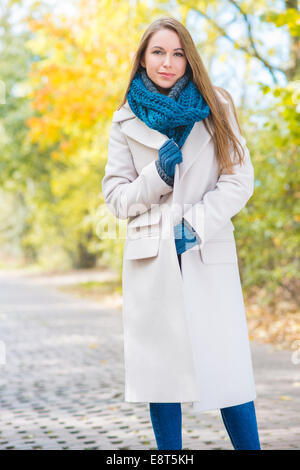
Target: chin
(163, 84)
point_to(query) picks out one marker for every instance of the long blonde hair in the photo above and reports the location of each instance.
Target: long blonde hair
(218, 119)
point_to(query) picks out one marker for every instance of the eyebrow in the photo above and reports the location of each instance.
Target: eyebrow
(162, 48)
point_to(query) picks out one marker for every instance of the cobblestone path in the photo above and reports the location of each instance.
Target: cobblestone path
(61, 380)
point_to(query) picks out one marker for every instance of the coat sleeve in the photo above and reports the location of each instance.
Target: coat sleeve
(126, 193)
(229, 196)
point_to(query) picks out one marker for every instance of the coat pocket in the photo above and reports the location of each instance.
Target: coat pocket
(219, 252)
(145, 247)
(145, 225)
(143, 235)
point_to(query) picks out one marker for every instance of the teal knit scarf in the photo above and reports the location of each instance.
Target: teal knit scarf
(174, 114)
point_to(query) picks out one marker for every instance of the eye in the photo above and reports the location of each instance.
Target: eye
(180, 54)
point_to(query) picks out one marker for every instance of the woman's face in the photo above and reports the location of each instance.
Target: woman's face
(164, 54)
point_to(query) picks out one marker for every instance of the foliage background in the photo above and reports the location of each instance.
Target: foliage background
(64, 68)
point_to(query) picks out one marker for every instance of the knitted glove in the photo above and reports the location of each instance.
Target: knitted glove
(169, 156)
(184, 238)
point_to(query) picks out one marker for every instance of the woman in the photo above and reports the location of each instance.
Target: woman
(179, 169)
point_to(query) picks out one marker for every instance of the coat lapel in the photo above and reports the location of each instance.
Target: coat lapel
(138, 130)
(193, 148)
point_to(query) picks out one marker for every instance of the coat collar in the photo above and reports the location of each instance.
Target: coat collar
(132, 126)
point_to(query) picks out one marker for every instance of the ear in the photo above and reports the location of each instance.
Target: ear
(142, 60)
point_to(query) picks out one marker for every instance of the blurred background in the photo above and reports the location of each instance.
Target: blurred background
(64, 67)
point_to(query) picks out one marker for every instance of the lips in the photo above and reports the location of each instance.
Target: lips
(167, 74)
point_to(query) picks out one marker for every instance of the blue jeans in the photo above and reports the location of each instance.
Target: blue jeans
(239, 420)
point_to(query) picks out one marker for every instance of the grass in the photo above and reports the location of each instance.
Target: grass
(109, 292)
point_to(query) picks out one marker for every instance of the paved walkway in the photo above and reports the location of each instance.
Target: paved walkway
(61, 380)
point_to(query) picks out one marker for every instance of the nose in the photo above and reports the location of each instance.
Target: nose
(167, 60)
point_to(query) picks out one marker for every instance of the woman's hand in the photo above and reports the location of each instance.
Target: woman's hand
(184, 238)
(169, 156)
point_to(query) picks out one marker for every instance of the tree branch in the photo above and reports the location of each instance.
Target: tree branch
(252, 51)
(255, 52)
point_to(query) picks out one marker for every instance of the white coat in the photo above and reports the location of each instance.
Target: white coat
(185, 333)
